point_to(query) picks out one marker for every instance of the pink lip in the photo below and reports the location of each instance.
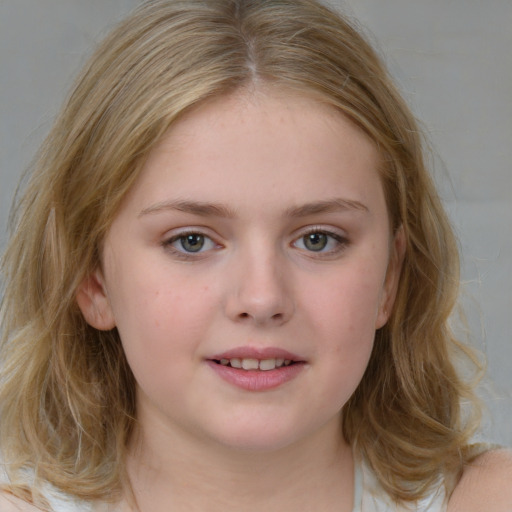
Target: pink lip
(257, 353)
(257, 380)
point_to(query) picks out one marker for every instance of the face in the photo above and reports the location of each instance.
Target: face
(248, 270)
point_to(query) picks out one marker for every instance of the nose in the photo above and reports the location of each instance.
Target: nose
(259, 292)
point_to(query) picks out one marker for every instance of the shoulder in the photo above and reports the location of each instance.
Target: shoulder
(486, 484)
(9, 503)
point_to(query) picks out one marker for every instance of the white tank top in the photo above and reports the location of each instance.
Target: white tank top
(368, 497)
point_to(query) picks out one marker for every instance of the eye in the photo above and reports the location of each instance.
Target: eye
(315, 241)
(321, 241)
(190, 243)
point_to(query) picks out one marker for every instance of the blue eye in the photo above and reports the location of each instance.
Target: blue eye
(191, 243)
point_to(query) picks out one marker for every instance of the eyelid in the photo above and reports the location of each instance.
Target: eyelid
(175, 235)
(335, 233)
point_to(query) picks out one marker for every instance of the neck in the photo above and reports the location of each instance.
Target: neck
(178, 473)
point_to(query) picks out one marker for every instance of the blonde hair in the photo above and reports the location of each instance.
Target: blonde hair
(67, 403)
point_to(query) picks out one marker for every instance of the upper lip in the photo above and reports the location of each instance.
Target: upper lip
(257, 353)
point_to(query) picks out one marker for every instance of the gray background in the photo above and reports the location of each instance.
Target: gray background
(453, 62)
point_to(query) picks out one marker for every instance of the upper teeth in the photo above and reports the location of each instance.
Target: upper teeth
(255, 364)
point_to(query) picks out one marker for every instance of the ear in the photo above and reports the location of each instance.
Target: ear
(393, 272)
(93, 301)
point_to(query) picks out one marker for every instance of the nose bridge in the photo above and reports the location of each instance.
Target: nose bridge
(260, 292)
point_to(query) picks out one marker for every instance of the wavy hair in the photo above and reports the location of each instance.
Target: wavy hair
(67, 400)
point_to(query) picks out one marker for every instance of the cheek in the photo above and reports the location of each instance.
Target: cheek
(348, 304)
(161, 330)
(343, 317)
(157, 314)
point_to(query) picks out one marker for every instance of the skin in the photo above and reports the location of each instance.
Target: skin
(203, 443)
(276, 168)
(485, 485)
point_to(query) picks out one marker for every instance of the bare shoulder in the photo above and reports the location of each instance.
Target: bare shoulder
(9, 503)
(486, 484)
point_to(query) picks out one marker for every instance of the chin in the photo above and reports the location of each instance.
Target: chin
(261, 438)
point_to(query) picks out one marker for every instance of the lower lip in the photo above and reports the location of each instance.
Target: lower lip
(257, 380)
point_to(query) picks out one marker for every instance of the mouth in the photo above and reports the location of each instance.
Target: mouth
(249, 363)
(257, 369)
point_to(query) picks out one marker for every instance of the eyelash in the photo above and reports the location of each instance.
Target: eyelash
(340, 241)
(183, 254)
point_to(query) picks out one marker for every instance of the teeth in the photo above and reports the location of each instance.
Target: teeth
(268, 364)
(255, 364)
(250, 364)
(236, 363)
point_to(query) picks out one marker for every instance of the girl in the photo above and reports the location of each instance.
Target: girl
(229, 280)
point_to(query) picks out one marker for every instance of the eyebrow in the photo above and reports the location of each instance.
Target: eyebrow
(327, 206)
(200, 208)
(206, 209)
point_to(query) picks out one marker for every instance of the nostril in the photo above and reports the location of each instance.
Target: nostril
(277, 316)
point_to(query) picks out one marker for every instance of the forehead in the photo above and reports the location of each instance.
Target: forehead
(260, 147)
(278, 108)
